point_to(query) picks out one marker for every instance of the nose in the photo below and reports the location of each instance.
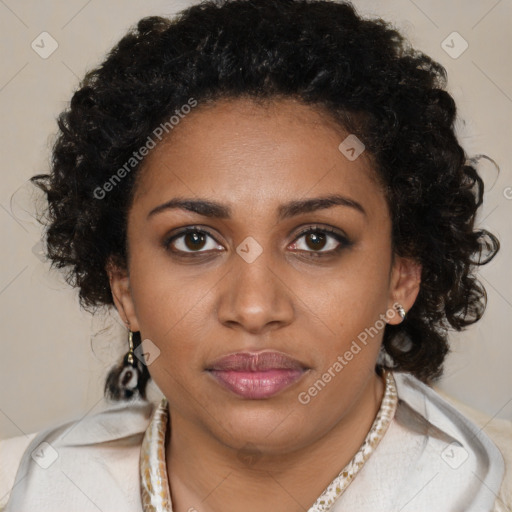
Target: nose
(255, 296)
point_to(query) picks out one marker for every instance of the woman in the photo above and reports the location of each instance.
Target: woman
(272, 196)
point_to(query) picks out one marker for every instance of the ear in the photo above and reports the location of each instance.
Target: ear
(120, 287)
(404, 285)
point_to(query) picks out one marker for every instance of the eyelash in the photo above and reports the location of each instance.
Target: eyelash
(341, 239)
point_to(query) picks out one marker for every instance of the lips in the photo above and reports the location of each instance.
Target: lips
(256, 375)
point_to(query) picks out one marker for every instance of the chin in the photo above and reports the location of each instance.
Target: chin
(267, 429)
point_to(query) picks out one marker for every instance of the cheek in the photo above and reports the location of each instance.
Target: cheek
(170, 314)
(170, 306)
(358, 291)
(161, 292)
(353, 305)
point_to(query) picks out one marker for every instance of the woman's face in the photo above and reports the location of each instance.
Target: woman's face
(247, 281)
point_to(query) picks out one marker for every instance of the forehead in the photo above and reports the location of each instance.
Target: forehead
(246, 149)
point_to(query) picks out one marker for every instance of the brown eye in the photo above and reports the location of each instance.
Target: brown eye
(321, 241)
(315, 240)
(192, 240)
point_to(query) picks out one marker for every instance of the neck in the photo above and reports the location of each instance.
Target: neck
(205, 475)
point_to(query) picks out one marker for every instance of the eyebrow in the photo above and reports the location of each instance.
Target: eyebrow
(213, 209)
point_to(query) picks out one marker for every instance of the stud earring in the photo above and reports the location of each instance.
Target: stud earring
(401, 311)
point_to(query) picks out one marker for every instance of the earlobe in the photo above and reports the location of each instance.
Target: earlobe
(405, 286)
(120, 287)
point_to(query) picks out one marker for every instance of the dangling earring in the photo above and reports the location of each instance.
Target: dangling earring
(129, 355)
(400, 310)
(128, 378)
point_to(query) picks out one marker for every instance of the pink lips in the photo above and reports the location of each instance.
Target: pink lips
(256, 375)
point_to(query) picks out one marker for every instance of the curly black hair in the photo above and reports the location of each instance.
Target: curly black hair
(361, 72)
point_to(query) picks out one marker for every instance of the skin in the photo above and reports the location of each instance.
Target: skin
(226, 452)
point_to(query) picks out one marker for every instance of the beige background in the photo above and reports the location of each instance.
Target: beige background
(55, 356)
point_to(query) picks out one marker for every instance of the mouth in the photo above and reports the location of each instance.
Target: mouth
(256, 375)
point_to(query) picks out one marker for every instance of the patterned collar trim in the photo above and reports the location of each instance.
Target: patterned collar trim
(154, 483)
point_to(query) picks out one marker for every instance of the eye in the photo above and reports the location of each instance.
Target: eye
(320, 240)
(191, 240)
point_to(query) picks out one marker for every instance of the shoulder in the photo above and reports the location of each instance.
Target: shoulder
(500, 432)
(473, 445)
(94, 439)
(11, 451)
